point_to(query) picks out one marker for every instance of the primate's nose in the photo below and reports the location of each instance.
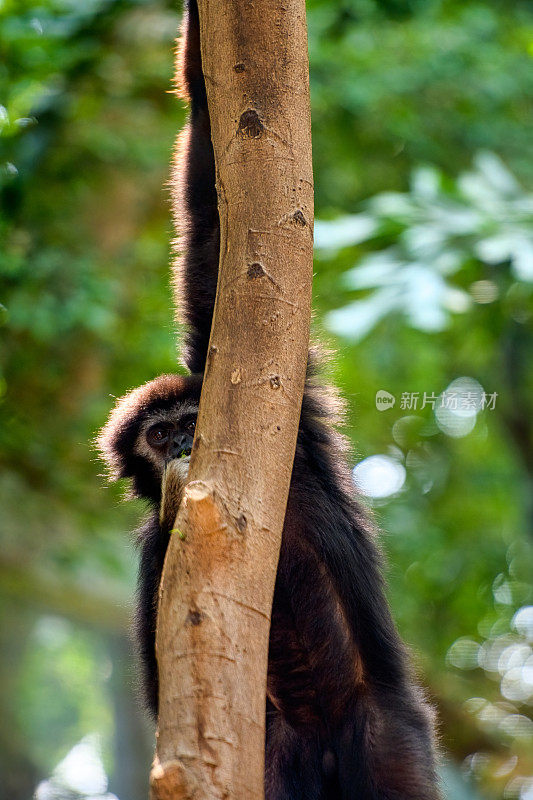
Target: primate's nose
(180, 445)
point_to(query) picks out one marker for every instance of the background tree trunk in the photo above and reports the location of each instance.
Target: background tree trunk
(218, 581)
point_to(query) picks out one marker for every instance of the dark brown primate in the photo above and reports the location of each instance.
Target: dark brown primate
(344, 718)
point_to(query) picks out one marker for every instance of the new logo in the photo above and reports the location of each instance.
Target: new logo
(384, 400)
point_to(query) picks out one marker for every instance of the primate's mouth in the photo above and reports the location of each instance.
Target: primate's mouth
(182, 455)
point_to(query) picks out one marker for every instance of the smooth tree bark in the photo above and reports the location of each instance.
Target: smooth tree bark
(218, 580)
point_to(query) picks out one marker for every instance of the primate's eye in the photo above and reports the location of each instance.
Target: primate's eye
(158, 435)
(190, 426)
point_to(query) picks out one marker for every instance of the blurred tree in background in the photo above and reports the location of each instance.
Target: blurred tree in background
(424, 272)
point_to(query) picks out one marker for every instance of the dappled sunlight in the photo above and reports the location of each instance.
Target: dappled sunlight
(79, 776)
(379, 476)
(424, 272)
(506, 658)
(458, 407)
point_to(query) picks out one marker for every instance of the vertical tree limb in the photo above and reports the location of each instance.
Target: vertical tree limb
(218, 580)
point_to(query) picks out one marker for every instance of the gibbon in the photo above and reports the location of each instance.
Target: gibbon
(344, 718)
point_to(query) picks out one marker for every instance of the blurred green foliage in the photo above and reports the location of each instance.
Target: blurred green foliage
(453, 258)
(87, 125)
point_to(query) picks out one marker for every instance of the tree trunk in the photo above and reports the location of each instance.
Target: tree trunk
(218, 580)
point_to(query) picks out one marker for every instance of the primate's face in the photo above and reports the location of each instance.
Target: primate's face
(167, 434)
